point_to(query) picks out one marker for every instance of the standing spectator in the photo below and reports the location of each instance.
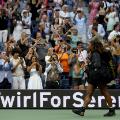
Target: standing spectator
(64, 13)
(18, 70)
(116, 55)
(93, 6)
(58, 3)
(3, 26)
(26, 20)
(72, 61)
(40, 28)
(48, 56)
(23, 44)
(82, 53)
(101, 15)
(100, 29)
(70, 4)
(77, 76)
(2, 2)
(66, 25)
(5, 71)
(111, 21)
(107, 4)
(63, 58)
(44, 20)
(18, 28)
(57, 15)
(52, 73)
(28, 58)
(55, 25)
(41, 49)
(35, 5)
(80, 22)
(78, 3)
(9, 46)
(74, 38)
(114, 32)
(35, 70)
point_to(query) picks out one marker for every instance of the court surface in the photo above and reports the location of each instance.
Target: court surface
(54, 115)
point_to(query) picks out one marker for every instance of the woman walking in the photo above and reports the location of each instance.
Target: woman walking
(99, 75)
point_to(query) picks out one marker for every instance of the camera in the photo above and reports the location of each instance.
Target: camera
(75, 51)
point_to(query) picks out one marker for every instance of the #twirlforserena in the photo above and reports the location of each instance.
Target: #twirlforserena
(35, 100)
(46, 99)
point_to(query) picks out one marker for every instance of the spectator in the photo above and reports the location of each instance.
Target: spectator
(48, 56)
(115, 32)
(100, 29)
(3, 26)
(80, 22)
(52, 73)
(74, 38)
(26, 21)
(5, 71)
(77, 75)
(111, 21)
(63, 58)
(82, 53)
(35, 70)
(41, 49)
(44, 20)
(18, 28)
(18, 70)
(23, 44)
(58, 3)
(93, 6)
(40, 28)
(64, 13)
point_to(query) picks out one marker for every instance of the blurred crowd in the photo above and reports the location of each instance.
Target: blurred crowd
(44, 43)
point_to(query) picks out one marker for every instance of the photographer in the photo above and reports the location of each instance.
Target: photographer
(41, 49)
(52, 73)
(35, 70)
(72, 60)
(82, 53)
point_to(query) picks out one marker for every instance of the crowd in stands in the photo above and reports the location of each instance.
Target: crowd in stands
(44, 43)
